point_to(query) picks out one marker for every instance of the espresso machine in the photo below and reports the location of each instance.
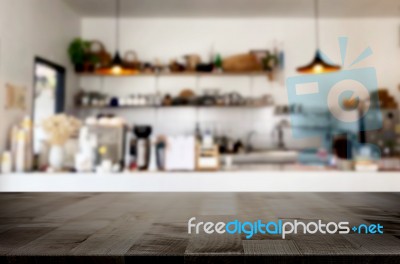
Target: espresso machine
(140, 147)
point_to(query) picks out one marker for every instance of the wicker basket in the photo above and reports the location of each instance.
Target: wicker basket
(97, 49)
(131, 61)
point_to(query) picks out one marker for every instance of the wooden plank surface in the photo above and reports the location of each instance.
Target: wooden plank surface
(162, 239)
(319, 244)
(128, 226)
(19, 236)
(270, 247)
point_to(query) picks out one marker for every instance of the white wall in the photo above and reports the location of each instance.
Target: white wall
(170, 38)
(30, 28)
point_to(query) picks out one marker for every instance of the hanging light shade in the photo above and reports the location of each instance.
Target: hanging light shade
(318, 65)
(117, 66)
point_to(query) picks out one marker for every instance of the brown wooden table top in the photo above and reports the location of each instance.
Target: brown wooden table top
(127, 227)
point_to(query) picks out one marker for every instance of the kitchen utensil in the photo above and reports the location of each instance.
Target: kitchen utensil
(175, 66)
(209, 97)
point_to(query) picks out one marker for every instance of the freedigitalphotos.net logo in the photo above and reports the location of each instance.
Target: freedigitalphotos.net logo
(281, 227)
(342, 102)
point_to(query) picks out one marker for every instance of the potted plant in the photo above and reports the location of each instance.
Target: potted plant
(91, 61)
(77, 51)
(80, 56)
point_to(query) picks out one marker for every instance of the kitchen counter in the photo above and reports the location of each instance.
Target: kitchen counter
(141, 227)
(224, 181)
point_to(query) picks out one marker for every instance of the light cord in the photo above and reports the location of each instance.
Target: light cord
(117, 26)
(316, 13)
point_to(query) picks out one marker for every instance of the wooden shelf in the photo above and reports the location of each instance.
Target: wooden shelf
(190, 74)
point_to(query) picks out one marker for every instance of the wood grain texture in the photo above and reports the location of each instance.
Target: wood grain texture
(318, 244)
(19, 236)
(142, 227)
(270, 247)
(162, 239)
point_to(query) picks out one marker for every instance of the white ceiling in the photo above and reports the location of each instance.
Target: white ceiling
(237, 8)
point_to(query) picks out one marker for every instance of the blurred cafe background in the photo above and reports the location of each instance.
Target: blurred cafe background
(129, 86)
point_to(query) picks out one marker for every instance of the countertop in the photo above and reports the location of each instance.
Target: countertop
(141, 227)
(222, 181)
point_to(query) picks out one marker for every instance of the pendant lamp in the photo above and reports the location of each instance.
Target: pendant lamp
(318, 65)
(117, 67)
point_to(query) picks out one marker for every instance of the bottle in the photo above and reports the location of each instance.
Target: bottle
(218, 63)
(281, 58)
(14, 140)
(207, 140)
(95, 158)
(212, 54)
(197, 132)
(131, 163)
(6, 162)
(386, 158)
(153, 155)
(27, 127)
(20, 156)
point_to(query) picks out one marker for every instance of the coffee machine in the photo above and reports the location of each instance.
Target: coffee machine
(140, 147)
(112, 138)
